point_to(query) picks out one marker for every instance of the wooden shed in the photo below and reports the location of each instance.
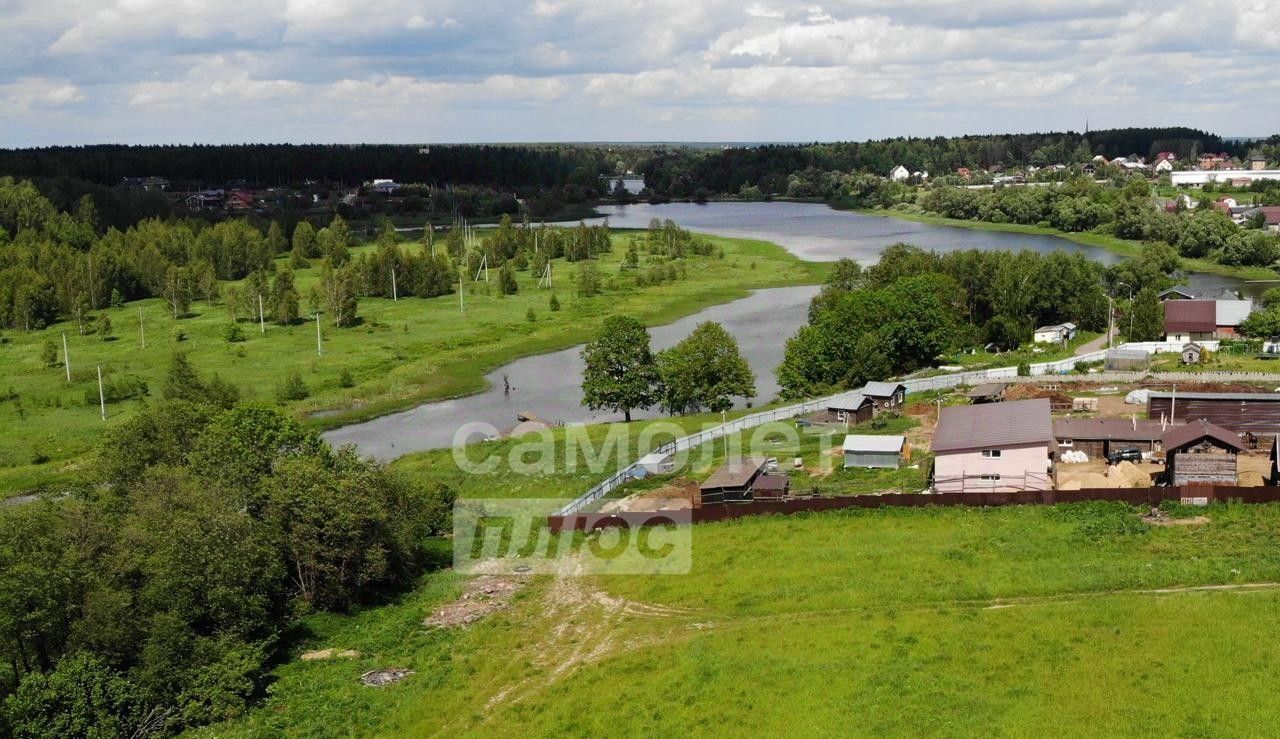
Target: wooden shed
(1200, 453)
(851, 409)
(733, 481)
(1192, 353)
(1258, 413)
(991, 392)
(771, 487)
(887, 396)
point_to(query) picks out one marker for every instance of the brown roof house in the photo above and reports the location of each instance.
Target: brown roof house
(1199, 320)
(732, 482)
(994, 447)
(1098, 437)
(1200, 453)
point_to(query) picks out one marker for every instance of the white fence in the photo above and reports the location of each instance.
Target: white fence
(915, 385)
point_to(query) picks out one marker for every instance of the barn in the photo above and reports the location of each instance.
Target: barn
(1098, 437)
(1201, 453)
(1256, 413)
(990, 392)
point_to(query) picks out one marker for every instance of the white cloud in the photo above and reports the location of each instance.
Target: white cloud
(39, 93)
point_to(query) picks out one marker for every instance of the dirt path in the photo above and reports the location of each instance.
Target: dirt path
(1092, 346)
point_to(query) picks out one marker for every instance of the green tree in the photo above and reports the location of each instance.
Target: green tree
(588, 279)
(304, 240)
(102, 326)
(553, 305)
(182, 382)
(275, 239)
(284, 298)
(620, 372)
(82, 697)
(705, 370)
(507, 280)
(1148, 318)
(293, 388)
(49, 354)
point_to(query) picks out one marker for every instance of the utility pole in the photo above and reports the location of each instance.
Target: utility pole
(142, 329)
(395, 298)
(319, 347)
(102, 398)
(66, 356)
(461, 307)
(1111, 320)
(262, 320)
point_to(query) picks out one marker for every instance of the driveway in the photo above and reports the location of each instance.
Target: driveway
(1092, 346)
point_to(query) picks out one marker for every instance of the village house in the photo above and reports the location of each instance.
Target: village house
(1055, 334)
(1098, 437)
(994, 447)
(1201, 453)
(899, 174)
(887, 396)
(1187, 321)
(384, 187)
(1270, 217)
(1177, 292)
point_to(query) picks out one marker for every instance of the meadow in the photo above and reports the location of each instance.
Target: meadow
(401, 353)
(1076, 620)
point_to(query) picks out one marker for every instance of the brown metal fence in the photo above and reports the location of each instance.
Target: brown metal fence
(725, 511)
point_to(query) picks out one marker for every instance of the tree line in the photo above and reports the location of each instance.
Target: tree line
(914, 306)
(155, 595)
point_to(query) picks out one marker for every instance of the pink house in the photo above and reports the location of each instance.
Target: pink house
(994, 447)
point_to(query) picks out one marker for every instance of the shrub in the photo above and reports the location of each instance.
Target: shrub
(1024, 368)
(345, 379)
(232, 333)
(102, 327)
(293, 388)
(49, 354)
(117, 389)
(554, 305)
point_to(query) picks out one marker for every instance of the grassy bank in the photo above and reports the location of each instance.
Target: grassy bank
(402, 353)
(903, 622)
(1122, 247)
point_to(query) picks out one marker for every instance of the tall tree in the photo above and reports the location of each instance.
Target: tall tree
(620, 371)
(705, 370)
(284, 298)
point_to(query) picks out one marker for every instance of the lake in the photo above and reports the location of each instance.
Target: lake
(549, 385)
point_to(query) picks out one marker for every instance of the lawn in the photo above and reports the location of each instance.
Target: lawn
(901, 622)
(401, 354)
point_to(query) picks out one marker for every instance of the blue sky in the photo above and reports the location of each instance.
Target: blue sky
(183, 71)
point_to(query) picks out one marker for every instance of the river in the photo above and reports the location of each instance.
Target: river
(549, 385)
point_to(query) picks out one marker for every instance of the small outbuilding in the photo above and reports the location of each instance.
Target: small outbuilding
(732, 483)
(1127, 360)
(877, 452)
(990, 392)
(771, 487)
(851, 409)
(1201, 453)
(887, 396)
(1055, 334)
(1192, 353)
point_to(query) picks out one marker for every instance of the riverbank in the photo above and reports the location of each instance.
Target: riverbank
(402, 354)
(1113, 244)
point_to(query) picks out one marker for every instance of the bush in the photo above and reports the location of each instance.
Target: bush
(554, 305)
(102, 327)
(293, 388)
(80, 697)
(530, 316)
(232, 333)
(1024, 368)
(49, 354)
(345, 379)
(118, 389)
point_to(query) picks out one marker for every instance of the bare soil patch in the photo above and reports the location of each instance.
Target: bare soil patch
(482, 596)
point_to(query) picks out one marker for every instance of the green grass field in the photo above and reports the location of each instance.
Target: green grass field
(403, 353)
(1075, 620)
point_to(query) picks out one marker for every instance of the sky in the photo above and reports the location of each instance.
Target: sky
(420, 71)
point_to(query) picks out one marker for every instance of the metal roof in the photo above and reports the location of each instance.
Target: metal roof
(849, 402)
(1258, 397)
(994, 425)
(1127, 354)
(988, 389)
(1190, 315)
(1232, 312)
(881, 389)
(1180, 436)
(1109, 429)
(870, 443)
(734, 473)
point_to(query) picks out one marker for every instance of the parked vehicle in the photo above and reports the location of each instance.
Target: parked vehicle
(1128, 454)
